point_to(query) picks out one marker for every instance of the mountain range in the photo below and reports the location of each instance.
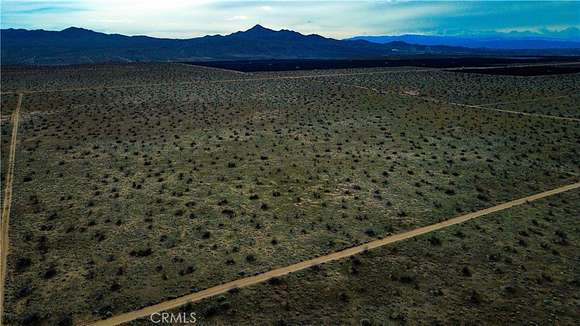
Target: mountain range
(77, 45)
(565, 39)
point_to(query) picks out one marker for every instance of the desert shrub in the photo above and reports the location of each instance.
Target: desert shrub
(475, 297)
(370, 232)
(24, 291)
(50, 272)
(465, 271)
(22, 264)
(65, 321)
(275, 281)
(435, 241)
(115, 287)
(187, 270)
(141, 252)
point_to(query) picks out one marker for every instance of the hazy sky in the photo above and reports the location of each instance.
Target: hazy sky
(339, 19)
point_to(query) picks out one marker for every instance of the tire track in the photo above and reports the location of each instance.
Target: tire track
(487, 108)
(7, 204)
(212, 68)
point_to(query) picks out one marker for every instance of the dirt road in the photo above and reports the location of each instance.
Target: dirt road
(248, 281)
(7, 204)
(212, 68)
(488, 108)
(527, 100)
(485, 107)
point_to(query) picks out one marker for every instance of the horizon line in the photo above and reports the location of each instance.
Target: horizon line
(513, 33)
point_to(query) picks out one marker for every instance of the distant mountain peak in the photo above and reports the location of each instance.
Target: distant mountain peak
(77, 31)
(259, 27)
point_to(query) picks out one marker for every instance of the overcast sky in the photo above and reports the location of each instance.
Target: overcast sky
(339, 19)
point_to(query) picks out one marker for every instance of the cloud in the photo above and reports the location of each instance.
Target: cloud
(15, 8)
(238, 17)
(339, 19)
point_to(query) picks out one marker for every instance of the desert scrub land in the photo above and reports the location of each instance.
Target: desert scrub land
(8, 104)
(114, 75)
(6, 128)
(467, 88)
(517, 266)
(336, 72)
(125, 197)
